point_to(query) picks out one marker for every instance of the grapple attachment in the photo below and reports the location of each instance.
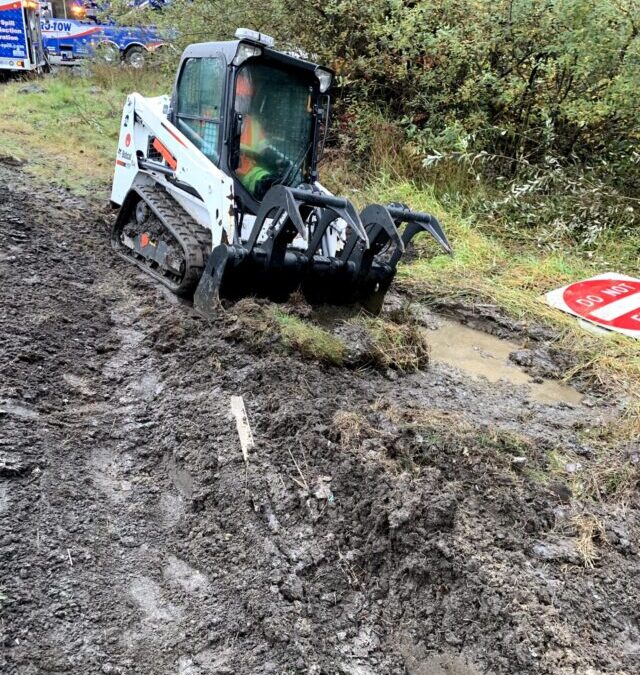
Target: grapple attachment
(316, 243)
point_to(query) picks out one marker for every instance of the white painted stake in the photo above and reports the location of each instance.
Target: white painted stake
(242, 423)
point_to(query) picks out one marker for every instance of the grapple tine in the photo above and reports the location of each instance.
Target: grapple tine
(377, 216)
(341, 207)
(355, 221)
(206, 298)
(418, 222)
(330, 214)
(434, 229)
(381, 229)
(279, 199)
(374, 272)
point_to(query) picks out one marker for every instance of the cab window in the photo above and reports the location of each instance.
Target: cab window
(199, 104)
(275, 106)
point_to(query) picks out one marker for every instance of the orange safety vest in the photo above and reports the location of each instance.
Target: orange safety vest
(251, 137)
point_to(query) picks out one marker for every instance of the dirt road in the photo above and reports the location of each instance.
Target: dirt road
(384, 524)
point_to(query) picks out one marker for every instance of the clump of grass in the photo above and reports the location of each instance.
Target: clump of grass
(537, 475)
(588, 529)
(310, 340)
(349, 426)
(609, 477)
(261, 324)
(558, 462)
(418, 417)
(401, 346)
(505, 441)
(354, 432)
(446, 429)
(252, 322)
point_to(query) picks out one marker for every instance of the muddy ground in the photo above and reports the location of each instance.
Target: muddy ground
(385, 523)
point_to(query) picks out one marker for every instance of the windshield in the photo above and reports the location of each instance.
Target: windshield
(277, 126)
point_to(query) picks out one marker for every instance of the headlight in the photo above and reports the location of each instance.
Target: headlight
(78, 12)
(245, 51)
(324, 77)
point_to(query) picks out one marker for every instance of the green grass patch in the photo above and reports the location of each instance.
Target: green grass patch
(609, 476)
(263, 325)
(65, 126)
(383, 344)
(504, 441)
(310, 340)
(418, 436)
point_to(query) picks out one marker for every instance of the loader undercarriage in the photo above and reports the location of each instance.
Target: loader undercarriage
(157, 235)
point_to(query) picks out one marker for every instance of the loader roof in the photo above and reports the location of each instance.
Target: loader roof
(229, 49)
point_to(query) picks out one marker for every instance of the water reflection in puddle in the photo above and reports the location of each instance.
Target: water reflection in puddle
(484, 355)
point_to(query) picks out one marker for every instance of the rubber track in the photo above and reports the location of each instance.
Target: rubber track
(194, 239)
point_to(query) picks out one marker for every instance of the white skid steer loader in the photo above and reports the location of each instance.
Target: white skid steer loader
(218, 187)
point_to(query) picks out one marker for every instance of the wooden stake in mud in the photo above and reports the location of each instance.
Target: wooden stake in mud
(242, 423)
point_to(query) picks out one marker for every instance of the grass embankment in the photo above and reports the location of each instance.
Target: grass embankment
(66, 127)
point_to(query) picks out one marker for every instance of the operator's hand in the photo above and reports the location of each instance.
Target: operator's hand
(276, 159)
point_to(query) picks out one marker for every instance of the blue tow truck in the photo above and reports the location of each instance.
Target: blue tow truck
(68, 41)
(21, 44)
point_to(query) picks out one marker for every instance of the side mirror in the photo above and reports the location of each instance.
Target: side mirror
(236, 133)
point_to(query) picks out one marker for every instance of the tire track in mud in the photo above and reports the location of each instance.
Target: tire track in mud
(134, 539)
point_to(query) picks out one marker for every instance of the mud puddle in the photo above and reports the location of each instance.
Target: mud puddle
(483, 355)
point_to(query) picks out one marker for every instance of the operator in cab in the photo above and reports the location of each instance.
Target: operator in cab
(260, 164)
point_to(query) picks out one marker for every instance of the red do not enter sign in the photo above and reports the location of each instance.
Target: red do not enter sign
(608, 301)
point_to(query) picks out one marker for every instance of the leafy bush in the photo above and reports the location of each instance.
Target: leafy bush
(550, 199)
(520, 79)
(544, 96)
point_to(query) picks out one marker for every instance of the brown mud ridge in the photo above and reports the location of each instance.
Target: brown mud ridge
(403, 524)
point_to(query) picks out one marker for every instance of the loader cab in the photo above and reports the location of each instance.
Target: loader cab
(254, 112)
